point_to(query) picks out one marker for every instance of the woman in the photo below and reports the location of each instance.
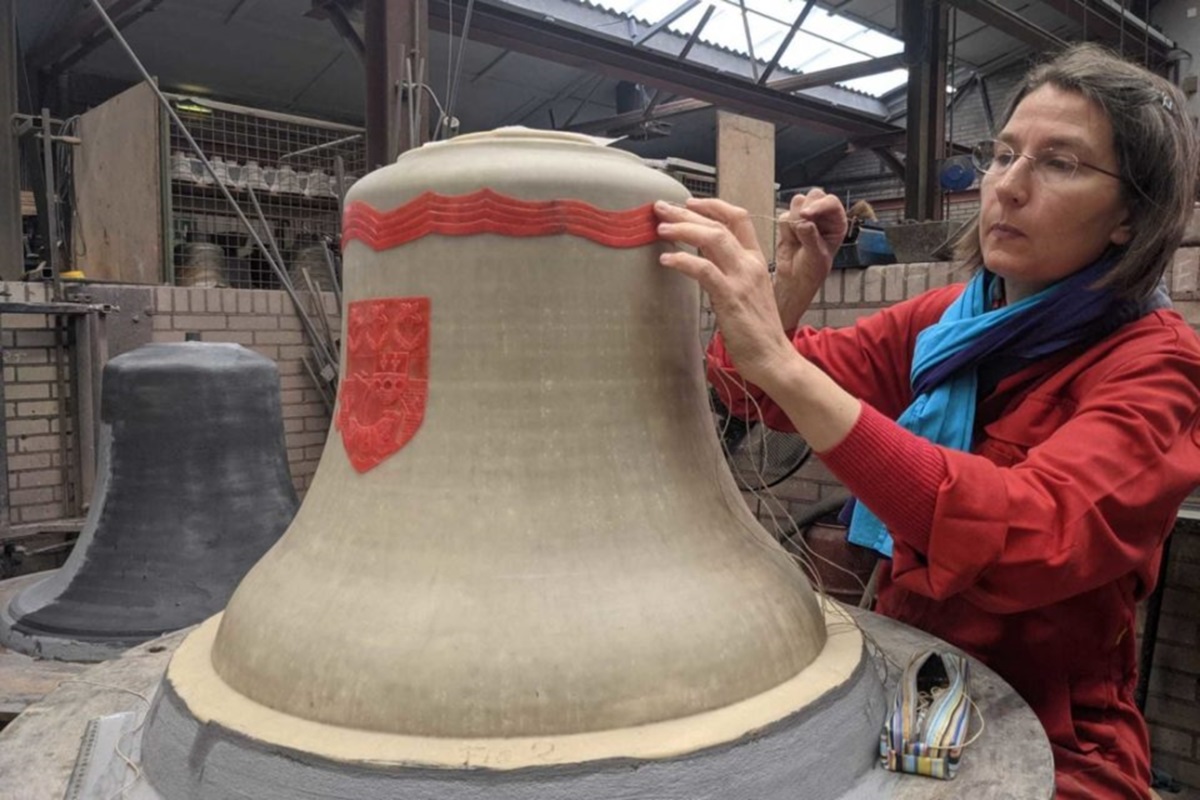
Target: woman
(1025, 486)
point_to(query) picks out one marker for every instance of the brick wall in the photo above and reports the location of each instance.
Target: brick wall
(35, 428)
(260, 320)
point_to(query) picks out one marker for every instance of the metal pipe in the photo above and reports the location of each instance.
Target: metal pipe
(51, 203)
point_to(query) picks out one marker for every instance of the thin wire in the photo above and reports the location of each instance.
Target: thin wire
(803, 555)
(129, 763)
(462, 46)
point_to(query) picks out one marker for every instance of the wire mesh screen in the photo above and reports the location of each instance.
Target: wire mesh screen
(698, 185)
(290, 165)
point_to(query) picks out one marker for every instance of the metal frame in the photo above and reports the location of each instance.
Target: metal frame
(534, 35)
(87, 426)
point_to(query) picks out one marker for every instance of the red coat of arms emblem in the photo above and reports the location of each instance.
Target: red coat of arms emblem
(382, 398)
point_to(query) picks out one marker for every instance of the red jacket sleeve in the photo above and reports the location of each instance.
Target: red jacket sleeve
(870, 359)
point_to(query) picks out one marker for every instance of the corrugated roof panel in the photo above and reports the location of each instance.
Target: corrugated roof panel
(825, 40)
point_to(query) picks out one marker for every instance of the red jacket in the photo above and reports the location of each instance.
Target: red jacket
(1031, 551)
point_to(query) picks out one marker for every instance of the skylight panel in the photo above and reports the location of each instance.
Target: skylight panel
(825, 40)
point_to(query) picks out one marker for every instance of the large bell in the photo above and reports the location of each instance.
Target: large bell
(193, 487)
(522, 548)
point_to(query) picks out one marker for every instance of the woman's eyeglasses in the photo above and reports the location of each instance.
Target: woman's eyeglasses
(994, 157)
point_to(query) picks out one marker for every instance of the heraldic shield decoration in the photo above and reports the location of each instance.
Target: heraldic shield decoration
(384, 393)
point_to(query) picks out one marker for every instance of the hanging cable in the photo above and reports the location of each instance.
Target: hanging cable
(452, 99)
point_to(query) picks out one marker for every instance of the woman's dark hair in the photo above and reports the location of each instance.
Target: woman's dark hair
(1156, 149)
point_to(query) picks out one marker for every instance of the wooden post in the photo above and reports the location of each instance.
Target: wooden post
(746, 171)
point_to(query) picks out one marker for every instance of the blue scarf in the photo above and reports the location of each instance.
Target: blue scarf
(971, 336)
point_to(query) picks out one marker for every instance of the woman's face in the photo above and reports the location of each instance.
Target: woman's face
(1034, 232)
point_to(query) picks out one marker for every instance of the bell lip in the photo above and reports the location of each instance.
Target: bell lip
(210, 701)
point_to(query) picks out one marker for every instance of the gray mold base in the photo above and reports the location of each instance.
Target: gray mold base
(56, 647)
(32, 598)
(827, 750)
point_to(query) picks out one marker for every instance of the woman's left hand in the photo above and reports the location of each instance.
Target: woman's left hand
(731, 268)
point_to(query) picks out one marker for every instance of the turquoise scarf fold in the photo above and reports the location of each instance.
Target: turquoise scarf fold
(944, 413)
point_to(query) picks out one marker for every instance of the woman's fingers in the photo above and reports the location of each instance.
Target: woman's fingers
(712, 237)
(697, 267)
(823, 211)
(736, 219)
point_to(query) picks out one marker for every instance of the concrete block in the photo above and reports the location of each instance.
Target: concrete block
(893, 283)
(253, 323)
(30, 461)
(244, 338)
(873, 285)
(33, 443)
(1191, 234)
(169, 336)
(278, 337)
(1178, 658)
(290, 322)
(1185, 274)
(1190, 311)
(852, 285)
(1182, 575)
(39, 478)
(40, 513)
(37, 408)
(28, 391)
(832, 289)
(36, 338)
(196, 304)
(27, 427)
(163, 299)
(1180, 626)
(197, 322)
(29, 497)
(939, 274)
(916, 280)
(1172, 713)
(1174, 685)
(25, 322)
(1169, 740)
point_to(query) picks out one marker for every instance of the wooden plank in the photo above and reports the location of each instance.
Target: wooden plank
(28, 205)
(118, 182)
(746, 171)
(38, 750)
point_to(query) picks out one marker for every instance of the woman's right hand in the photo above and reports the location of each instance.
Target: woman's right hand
(810, 233)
